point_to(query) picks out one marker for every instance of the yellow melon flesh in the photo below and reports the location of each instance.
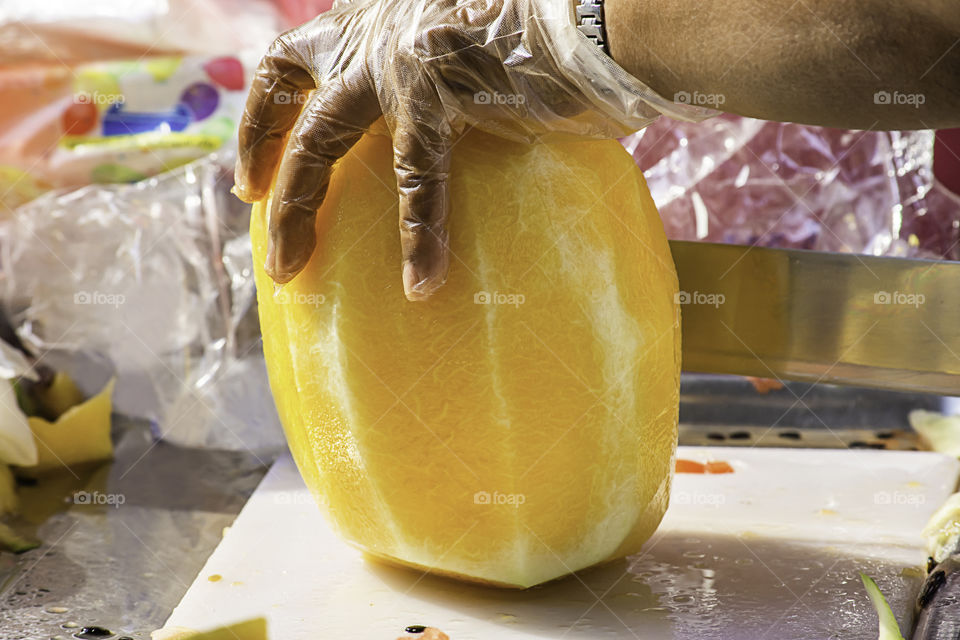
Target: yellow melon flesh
(60, 396)
(254, 629)
(519, 425)
(80, 435)
(9, 502)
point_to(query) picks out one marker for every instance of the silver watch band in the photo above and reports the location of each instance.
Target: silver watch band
(590, 22)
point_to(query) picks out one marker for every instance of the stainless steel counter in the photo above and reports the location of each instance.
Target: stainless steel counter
(121, 566)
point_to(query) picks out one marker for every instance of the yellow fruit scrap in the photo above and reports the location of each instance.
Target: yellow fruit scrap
(519, 425)
(58, 398)
(254, 629)
(17, 446)
(11, 540)
(81, 434)
(9, 503)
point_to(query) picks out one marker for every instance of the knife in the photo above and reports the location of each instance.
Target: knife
(839, 318)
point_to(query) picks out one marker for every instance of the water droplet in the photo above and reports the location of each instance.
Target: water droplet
(683, 598)
(70, 625)
(216, 577)
(56, 609)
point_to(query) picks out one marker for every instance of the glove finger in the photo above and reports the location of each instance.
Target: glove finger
(422, 162)
(276, 96)
(335, 117)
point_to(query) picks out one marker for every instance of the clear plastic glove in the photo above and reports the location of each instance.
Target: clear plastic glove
(431, 68)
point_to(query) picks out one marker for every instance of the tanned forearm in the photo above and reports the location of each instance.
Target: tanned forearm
(867, 64)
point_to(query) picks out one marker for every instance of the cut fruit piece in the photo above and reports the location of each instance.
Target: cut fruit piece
(10, 540)
(521, 423)
(940, 432)
(80, 435)
(62, 394)
(689, 466)
(255, 629)
(25, 399)
(719, 466)
(942, 531)
(9, 503)
(17, 445)
(887, 627)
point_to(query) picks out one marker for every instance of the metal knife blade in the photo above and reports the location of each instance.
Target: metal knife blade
(839, 318)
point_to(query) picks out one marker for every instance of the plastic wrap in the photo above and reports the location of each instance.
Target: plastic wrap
(152, 281)
(745, 181)
(114, 121)
(59, 32)
(114, 91)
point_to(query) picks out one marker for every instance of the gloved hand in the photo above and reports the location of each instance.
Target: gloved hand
(431, 68)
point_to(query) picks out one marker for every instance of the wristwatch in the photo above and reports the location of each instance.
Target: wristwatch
(590, 22)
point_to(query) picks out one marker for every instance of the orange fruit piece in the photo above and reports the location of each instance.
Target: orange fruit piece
(690, 466)
(719, 467)
(522, 423)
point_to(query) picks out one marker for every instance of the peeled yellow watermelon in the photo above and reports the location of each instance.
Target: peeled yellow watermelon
(521, 423)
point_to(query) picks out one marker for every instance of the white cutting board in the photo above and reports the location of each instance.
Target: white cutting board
(770, 551)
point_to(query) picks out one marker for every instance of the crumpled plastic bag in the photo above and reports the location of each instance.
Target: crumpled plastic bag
(114, 121)
(744, 181)
(67, 31)
(152, 281)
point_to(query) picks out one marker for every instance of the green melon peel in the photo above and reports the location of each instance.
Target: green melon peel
(889, 630)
